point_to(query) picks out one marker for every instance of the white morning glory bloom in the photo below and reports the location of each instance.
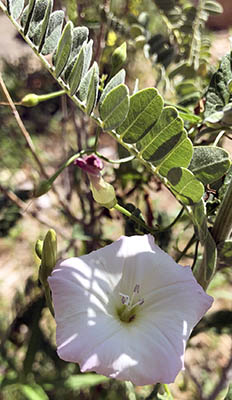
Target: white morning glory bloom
(126, 311)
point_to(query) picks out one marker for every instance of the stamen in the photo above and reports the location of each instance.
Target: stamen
(136, 289)
(125, 299)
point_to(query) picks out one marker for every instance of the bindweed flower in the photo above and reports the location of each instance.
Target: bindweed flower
(103, 192)
(126, 311)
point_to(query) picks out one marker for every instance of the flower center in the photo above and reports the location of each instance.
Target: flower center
(127, 311)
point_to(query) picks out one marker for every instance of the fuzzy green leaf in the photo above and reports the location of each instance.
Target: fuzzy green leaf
(76, 73)
(113, 110)
(209, 163)
(88, 52)
(80, 36)
(145, 108)
(184, 184)
(218, 94)
(27, 15)
(53, 32)
(15, 7)
(37, 17)
(89, 88)
(44, 24)
(114, 82)
(33, 392)
(63, 49)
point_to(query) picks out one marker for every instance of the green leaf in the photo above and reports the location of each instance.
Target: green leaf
(27, 15)
(63, 49)
(213, 7)
(15, 8)
(34, 392)
(37, 17)
(229, 393)
(89, 88)
(145, 108)
(76, 73)
(162, 137)
(114, 82)
(178, 156)
(53, 32)
(113, 110)
(186, 187)
(218, 93)
(209, 163)
(44, 24)
(81, 381)
(80, 36)
(88, 52)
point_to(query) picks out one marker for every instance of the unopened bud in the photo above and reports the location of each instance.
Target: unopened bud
(30, 100)
(39, 248)
(42, 188)
(119, 57)
(49, 255)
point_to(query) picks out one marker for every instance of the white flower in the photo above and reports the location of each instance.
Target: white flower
(126, 311)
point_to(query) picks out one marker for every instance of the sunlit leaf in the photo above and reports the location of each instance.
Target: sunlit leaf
(187, 188)
(76, 382)
(145, 108)
(113, 110)
(114, 82)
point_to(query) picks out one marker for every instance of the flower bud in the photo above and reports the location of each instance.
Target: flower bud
(49, 255)
(118, 58)
(103, 192)
(30, 100)
(39, 248)
(42, 188)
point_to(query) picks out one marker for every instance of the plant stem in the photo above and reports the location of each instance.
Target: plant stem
(134, 218)
(223, 223)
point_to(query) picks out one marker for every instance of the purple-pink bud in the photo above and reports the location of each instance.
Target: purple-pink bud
(90, 164)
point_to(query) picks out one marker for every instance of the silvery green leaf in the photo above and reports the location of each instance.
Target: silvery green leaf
(76, 73)
(89, 88)
(113, 110)
(37, 17)
(209, 163)
(15, 8)
(44, 25)
(88, 52)
(63, 49)
(80, 36)
(53, 32)
(27, 15)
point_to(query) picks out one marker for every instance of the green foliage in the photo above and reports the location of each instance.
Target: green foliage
(218, 94)
(209, 163)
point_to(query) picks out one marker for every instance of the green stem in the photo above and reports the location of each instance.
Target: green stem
(167, 390)
(188, 245)
(120, 161)
(67, 163)
(223, 223)
(48, 96)
(134, 218)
